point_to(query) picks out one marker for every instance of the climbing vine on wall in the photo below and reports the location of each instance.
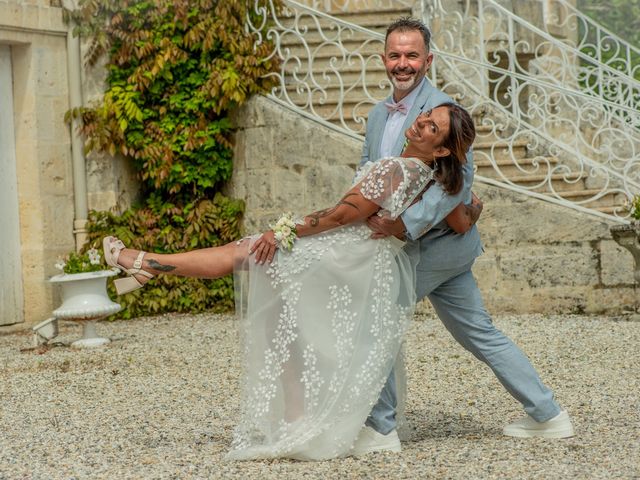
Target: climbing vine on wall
(175, 69)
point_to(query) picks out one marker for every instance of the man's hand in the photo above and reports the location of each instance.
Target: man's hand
(475, 208)
(385, 227)
(264, 248)
(463, 217)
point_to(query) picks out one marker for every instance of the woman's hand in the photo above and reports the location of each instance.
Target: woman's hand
(264, 248)
(383, 227)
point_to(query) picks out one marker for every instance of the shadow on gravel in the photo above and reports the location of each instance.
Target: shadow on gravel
(428, 424)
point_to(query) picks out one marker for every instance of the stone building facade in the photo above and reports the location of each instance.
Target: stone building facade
(538, 257)
(35, 97)
(38, 199)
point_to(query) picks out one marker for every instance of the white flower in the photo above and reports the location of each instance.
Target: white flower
(284, 231)
(94, 256)
(60, 264)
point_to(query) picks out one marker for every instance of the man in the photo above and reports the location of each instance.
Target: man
(444, 271)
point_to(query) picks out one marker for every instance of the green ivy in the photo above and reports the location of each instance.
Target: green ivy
(634, 207)
(621, 17)
(165, 228)
(175, 70)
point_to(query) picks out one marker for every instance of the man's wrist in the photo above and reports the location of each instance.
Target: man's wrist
(474, 212)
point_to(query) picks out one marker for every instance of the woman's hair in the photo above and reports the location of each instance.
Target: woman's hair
(462, 132)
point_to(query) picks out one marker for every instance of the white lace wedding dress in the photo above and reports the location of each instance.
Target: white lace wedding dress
(322, 327)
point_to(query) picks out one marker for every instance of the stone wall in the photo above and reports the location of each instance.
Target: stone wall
(284, 162)
(36, 35)
(538, 257)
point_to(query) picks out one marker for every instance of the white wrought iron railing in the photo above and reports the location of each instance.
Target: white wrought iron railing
(542, 135)
(557, 39)
(354, 5)
(606, 50)
(535, 76)
(533, 148)
(330, 69)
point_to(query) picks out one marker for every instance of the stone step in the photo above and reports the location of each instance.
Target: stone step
(374, 68)
(484, 133)
(373, 19)
(612, 209)
(330, 76)
(313, 37)
(330, 52)
(492, 146)
(373, 76)
(525, 173)
(329, 95)
(509, 168)
(382, 16)
(608, 201)
(499, 150)
(572, 182)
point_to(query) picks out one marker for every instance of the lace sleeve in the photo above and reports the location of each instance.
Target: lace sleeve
(394, 183)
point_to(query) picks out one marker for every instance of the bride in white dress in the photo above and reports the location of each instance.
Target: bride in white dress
(323, 322)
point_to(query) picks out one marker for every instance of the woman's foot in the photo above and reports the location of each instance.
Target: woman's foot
(118, 256)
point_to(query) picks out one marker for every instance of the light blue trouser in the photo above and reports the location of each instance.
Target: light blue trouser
(457, 300)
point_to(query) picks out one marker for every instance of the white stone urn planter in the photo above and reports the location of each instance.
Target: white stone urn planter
(85, 300)
(628, 236)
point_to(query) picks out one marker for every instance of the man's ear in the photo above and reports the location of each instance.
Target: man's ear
(441, 152)
(429, 60)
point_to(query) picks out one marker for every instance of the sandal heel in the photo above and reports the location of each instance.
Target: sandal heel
(126, 285)
(112, 247)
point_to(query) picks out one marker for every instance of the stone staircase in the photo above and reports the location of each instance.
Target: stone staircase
(321, 56)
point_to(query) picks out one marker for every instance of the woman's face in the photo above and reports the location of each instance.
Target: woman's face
(428, 132)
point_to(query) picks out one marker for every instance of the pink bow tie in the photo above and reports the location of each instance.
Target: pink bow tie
(396, 107)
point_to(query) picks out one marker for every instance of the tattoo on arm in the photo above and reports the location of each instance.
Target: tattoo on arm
(473, 211)
(159, 266)
(316, 216)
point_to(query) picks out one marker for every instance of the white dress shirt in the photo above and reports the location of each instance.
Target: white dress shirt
(395, 120)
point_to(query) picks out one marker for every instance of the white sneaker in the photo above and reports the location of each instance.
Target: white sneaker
(558, 427)
(371, 441)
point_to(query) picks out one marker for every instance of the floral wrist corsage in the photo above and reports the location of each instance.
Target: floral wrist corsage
(285, 232)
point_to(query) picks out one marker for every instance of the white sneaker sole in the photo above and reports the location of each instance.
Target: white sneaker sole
(551, 433)
(378, 448)
(380, 444)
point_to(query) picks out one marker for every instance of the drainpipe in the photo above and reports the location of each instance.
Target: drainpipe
(77, 148)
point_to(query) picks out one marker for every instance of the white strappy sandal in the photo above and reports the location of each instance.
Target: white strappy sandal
(112, 247)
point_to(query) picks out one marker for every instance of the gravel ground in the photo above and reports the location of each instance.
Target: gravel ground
(160, 402)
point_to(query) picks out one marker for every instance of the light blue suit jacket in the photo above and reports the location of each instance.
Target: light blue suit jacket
(440, 247)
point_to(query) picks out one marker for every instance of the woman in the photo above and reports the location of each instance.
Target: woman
(324, 321)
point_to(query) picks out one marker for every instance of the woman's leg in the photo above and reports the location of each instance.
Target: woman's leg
(213, 262)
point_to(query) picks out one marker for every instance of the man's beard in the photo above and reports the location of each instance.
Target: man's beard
(404, 84)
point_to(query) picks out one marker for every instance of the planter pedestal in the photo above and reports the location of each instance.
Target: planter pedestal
(628, 236)
(85, 300)
(90, 337)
